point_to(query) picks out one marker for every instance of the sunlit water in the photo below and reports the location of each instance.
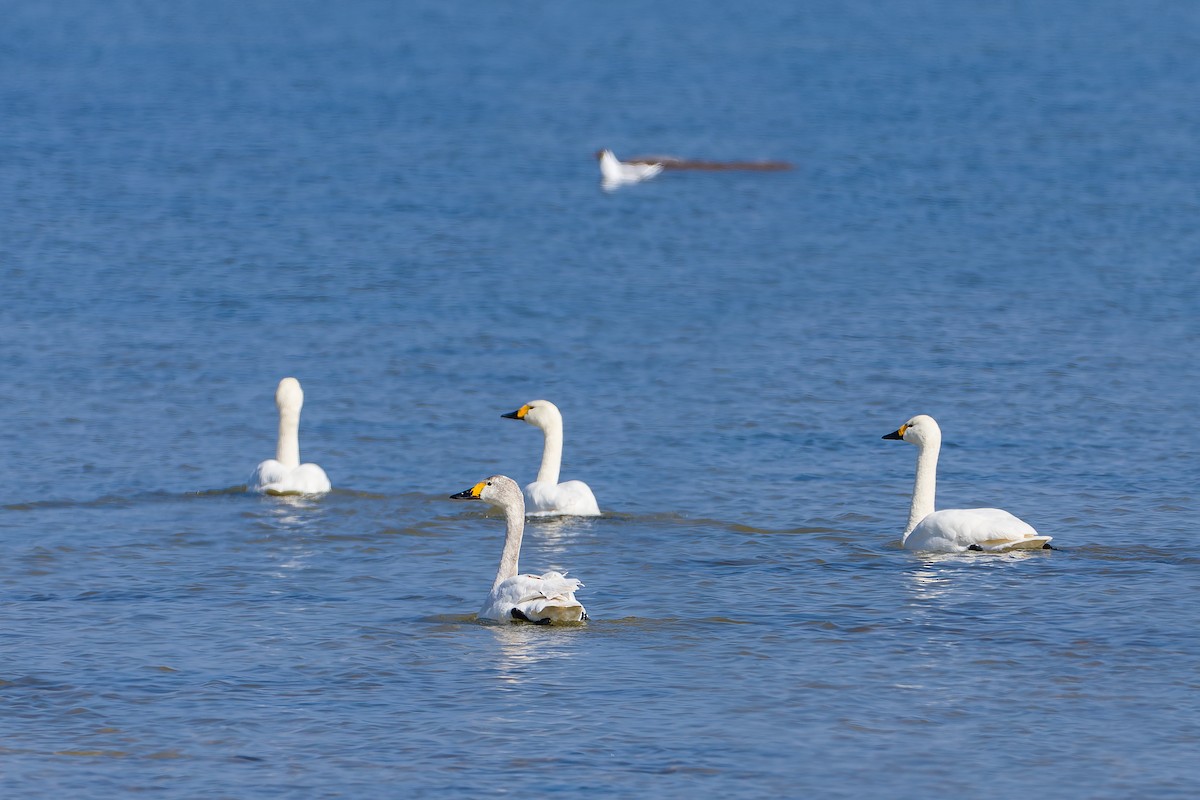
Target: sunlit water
(993, 220)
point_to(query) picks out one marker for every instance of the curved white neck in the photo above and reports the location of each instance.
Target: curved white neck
(551, 454)
(514, 525)
(287, 451)
(925, 485)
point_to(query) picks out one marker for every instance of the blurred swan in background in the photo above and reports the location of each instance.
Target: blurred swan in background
(614, 173)
(284, 474)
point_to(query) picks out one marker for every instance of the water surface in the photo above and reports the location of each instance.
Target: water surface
(993, 220)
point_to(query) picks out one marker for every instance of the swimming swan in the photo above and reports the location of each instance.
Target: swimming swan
(958, 529)
(526, 598)
(546, 496)
(284, 474)
(614, 173)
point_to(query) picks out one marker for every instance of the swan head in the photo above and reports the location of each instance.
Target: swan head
(540, 413)
(499, 490)
(289, 395)
(920, 430)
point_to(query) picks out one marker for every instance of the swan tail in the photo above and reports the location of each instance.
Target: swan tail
(1028, 543)
(555, 600)
(550, 611)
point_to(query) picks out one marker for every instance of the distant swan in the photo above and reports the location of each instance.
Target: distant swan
(284, 474)
(546, 496)
(526, 598)
(677, 163)
(959, 529)
(614, 173)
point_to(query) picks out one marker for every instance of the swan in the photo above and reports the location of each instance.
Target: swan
(615, 173)
(958, 529)
(546, 496)
(284, 474)
(514, 597)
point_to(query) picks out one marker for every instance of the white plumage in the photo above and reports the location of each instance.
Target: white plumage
(615, 173)
(546, 496)
(284, 474)
(544, 599)
(959, 529)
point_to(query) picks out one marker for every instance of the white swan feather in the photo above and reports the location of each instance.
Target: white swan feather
(284, 474)
(545, 496)
(959, 529)
(545, 599)
(615, 173)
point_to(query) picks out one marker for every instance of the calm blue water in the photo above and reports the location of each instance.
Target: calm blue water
(994, 219)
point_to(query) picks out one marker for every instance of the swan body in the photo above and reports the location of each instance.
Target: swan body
(959, 529)
(616, 173)
(543, 599)
(547, 497)
(284, 474)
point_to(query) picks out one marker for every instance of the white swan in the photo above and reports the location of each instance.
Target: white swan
(615, 173)
(958, 529)
(284, 474)
(546, 496)
(527, 598)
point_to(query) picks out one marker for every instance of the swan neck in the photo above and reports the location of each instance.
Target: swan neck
(552, 453)
(514, 524)
(925, 486)
(287, 451)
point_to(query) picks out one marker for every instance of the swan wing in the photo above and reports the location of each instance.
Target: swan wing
(537, 598)
(310, 479)
(643, 171)
(958, 529)
(572, 498)
(266, 474)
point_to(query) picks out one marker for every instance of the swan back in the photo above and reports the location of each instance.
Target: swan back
(986, 529)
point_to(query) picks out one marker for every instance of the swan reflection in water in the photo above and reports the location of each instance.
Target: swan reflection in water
(929, 584)
(940, 575)
(284, 520)
(528, 655)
